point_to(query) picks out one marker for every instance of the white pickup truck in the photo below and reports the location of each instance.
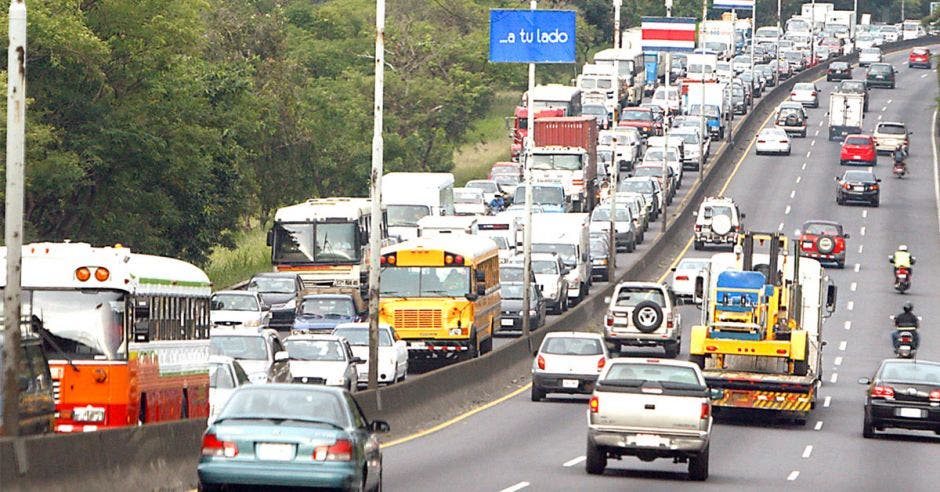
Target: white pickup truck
(650, 408)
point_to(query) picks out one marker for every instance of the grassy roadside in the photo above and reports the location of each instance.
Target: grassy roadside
(489, 141)
(251, 255)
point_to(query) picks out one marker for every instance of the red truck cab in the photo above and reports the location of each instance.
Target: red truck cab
(520, 124)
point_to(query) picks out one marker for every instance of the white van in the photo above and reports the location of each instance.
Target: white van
(569, 236)
(437, 225)
(410, 196)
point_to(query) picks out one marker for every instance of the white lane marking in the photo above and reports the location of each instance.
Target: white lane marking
(808, 152)
(798, 179)
(792, 476)
(868, 169)
(574, 461)
(848, 325)
(804, 166)
(819, 425)
(858, 267)
(861, 247)
(785, 212)
(820, 123)
(923, 76)
(879, 117)
(792, 193)
(838, 361)
(514, 488)
(834, 378)
(862, 230)
(842, 345)
(889, 101)
(807, 451)
(813, 143)
(780, 227)
(853, 286)
(827, 401)
(936, 176)
(817, 133)
(884, 108)
(864, 214)
(850, 306)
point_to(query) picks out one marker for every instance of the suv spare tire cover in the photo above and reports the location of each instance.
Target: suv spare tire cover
(647, 316)
(825, 244)
(721, 224)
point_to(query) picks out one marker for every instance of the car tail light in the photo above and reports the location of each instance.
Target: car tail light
(813, 93)
(341, 450)
(682, 277)
(783, 141)
(935, 395)
(706, 411)
(609, 320)
(601, 362)
(792, 94)
(541, 362)
(669, 322)
(882, 392)
(761, 141)
(698, 227)
(212, 446)
(594, 404)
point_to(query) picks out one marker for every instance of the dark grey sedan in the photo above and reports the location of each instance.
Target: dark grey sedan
(905, 394)
(858, 186)
(512, 307)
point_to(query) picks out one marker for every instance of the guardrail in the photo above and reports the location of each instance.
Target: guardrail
(163, 456)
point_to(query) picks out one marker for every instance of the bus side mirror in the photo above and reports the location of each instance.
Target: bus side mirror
(481, 289)
(270, 238)
(831, 294)
(699, 289)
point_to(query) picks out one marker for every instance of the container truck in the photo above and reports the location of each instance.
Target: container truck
(846, 114)
(566, 153)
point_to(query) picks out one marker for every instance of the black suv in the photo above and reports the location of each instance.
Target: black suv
(854, 87)
(880, 75)
(280, 291)
(37, 401)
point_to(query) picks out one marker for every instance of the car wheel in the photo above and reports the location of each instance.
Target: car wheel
(698, 466)
(839, 200)
(596, 460)
(564, 302)
(474, 349)
(209, 487)
(876, 203)
(671, 349)
(631, 247)
(537, 393)
(698, 245)
(868, 430)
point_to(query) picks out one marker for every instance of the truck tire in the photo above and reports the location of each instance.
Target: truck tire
(474, 351)
(647, 316)
(672, 349)
(595, 461)
(698, 466)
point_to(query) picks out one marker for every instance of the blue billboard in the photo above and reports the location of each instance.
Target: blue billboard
(532, 36)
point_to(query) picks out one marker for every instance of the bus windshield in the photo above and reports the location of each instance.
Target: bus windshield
(425, 281)
(315, 243)
(406, 215)
(85, 324)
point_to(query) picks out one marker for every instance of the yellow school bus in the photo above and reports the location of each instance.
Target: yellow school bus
(442, 295)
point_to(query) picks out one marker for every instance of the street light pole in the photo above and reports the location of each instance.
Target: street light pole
(13, 231)
(527, 247)
(701, 106)
(617, 5)
(378, 149)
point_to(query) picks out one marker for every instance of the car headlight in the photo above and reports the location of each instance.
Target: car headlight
(252, 323)
(88, 414)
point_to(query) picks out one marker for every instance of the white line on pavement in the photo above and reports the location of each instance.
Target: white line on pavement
(817, 133)
(518, 486)
(848, 325)
(808, 152)
(813, 143)
(858, 266)
(574, 461)
(864, 214)
(850, 306)
(820, 123)
(936, 177)
(799, 178)
(792, 193)
(923, 76)
(884, 108)
(889, 101)
(804, 165)
(853, 286)
(863, 230)
(819, 425)
(785, 212)
(834, 378)
(842, 345)
(861, 247)
(838, 361)
(792, 476)
(780, 227)
(808, 450)
(827, 401)
(879, 117)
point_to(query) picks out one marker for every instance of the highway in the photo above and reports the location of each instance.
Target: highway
(521, 445)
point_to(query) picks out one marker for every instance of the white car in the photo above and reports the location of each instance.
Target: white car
(393, 351)
(868, 56)
(668, 99)
(772, 140)
(489, 188)
(550, 271)
(625, 235)
(724, 71)
(568, 362)
(654, 157)
(741, 63)
(260, 353)
(323, 359)
(805, 93)
(238, 309)
(863, 41)
(469, 201)
(691, 158)
(684, 274)
(717, 221)
(225, 375)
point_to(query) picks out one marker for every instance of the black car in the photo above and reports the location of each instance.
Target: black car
(859, 186)
(600, 253)
(512, 307)
(880, 75)
(278, 290)
(839, 71)
(854, 87)
(905, 394)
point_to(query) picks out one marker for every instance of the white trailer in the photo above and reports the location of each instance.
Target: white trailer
(846, 114)
(818, 12)
(600, 84)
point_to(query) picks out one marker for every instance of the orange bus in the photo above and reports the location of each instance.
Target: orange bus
(126, 334)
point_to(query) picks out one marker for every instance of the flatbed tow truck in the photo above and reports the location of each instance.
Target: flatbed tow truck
(760, 336)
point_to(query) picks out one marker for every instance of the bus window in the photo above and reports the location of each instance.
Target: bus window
(425, 281)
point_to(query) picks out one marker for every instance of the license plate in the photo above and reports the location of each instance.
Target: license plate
(856, 157)
(879, 76)
(648, 441)
(507, 322)
(807, 244)
(910, 413)
(271, 451)
(859, 188)
(416, 345)
(569, 383)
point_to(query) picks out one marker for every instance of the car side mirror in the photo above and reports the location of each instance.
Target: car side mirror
(878, 180)
(743, 216)
(607, 300)
(357, 360)
(471, 296)
(379, 426)
(281, 356)
(865, 381)
(846, 235)
(716, 393)
(836, 178)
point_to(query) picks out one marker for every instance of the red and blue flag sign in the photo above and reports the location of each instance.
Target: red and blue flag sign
(669, 33)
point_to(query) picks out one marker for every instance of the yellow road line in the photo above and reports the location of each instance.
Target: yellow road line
(444, 425)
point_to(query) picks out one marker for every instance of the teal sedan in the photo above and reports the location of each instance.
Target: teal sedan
(294, 436)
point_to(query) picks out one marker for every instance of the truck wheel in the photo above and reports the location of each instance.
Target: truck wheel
(698, 466)
(647, 316)
(672, 350)
(209, 487)
(474, 351)
(698, 245)
(487, 345)
(596, 460)
(698, 359)
(537, 393)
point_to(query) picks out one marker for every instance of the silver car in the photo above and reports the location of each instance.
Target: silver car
(805, 93)
(259, 352)
(225, 375)
(239, 309)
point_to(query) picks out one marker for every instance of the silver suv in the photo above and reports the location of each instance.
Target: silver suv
(642, 314)
(717, 222)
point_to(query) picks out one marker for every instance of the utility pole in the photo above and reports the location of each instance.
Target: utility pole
(527, 247)
(13, 232)
(617, 5)
(777, 44)
(812, 34)
(615, 164)
(666, 181)
(701, 106)
(378, 149)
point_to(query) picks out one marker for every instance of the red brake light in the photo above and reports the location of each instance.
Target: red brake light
(341, 450)
(601, 362)
(706, 410)
(212, 446)
(935, 395)
(882, 392)
(594, 404)
(609, 320)
(792, 93)
(541, 362)
(682, 277)
(813, 93)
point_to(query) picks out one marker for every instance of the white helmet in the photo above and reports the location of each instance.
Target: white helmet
(902, 247)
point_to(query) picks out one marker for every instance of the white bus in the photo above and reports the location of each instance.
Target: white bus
(409, 196)
(325, 240)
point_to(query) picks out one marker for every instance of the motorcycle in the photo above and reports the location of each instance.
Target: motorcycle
(900, 169)
(905, 348)
(902, 279)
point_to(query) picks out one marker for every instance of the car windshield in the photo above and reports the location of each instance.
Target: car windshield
(507, 178)
(631, 296)
(599, 248)
(821, 229)
(315, 350)
(241, 347)
(659, 373)
(327, 307)
(234, 302)
(636, 115)
(425, 281)
(710, 211)
(571, 346)
(871, 51)
(273, 285)
(485, 186)
(300, 402)
(638, 185)
(919, 373)
(695, 264)
(603, 215)
(468, 196)
(880, 69)
(655, 154)
(568, 252)
(509, 273)
(689, 138)
(513, 290)
(838, 66)
(857, 141)
(919, 51)
(853, 86)
(594, 110)
(545, 267)
(772, 133)
(891, 129)
(804, 87)
(862, 176)
(359, 336)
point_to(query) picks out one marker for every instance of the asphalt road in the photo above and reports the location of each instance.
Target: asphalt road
(521, 445)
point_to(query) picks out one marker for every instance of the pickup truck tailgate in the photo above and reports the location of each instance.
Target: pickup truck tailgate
(646, 409)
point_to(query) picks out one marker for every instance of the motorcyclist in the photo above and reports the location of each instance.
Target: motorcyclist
(902, 258)
(906, 321)
(498, 203)
(899, 155)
